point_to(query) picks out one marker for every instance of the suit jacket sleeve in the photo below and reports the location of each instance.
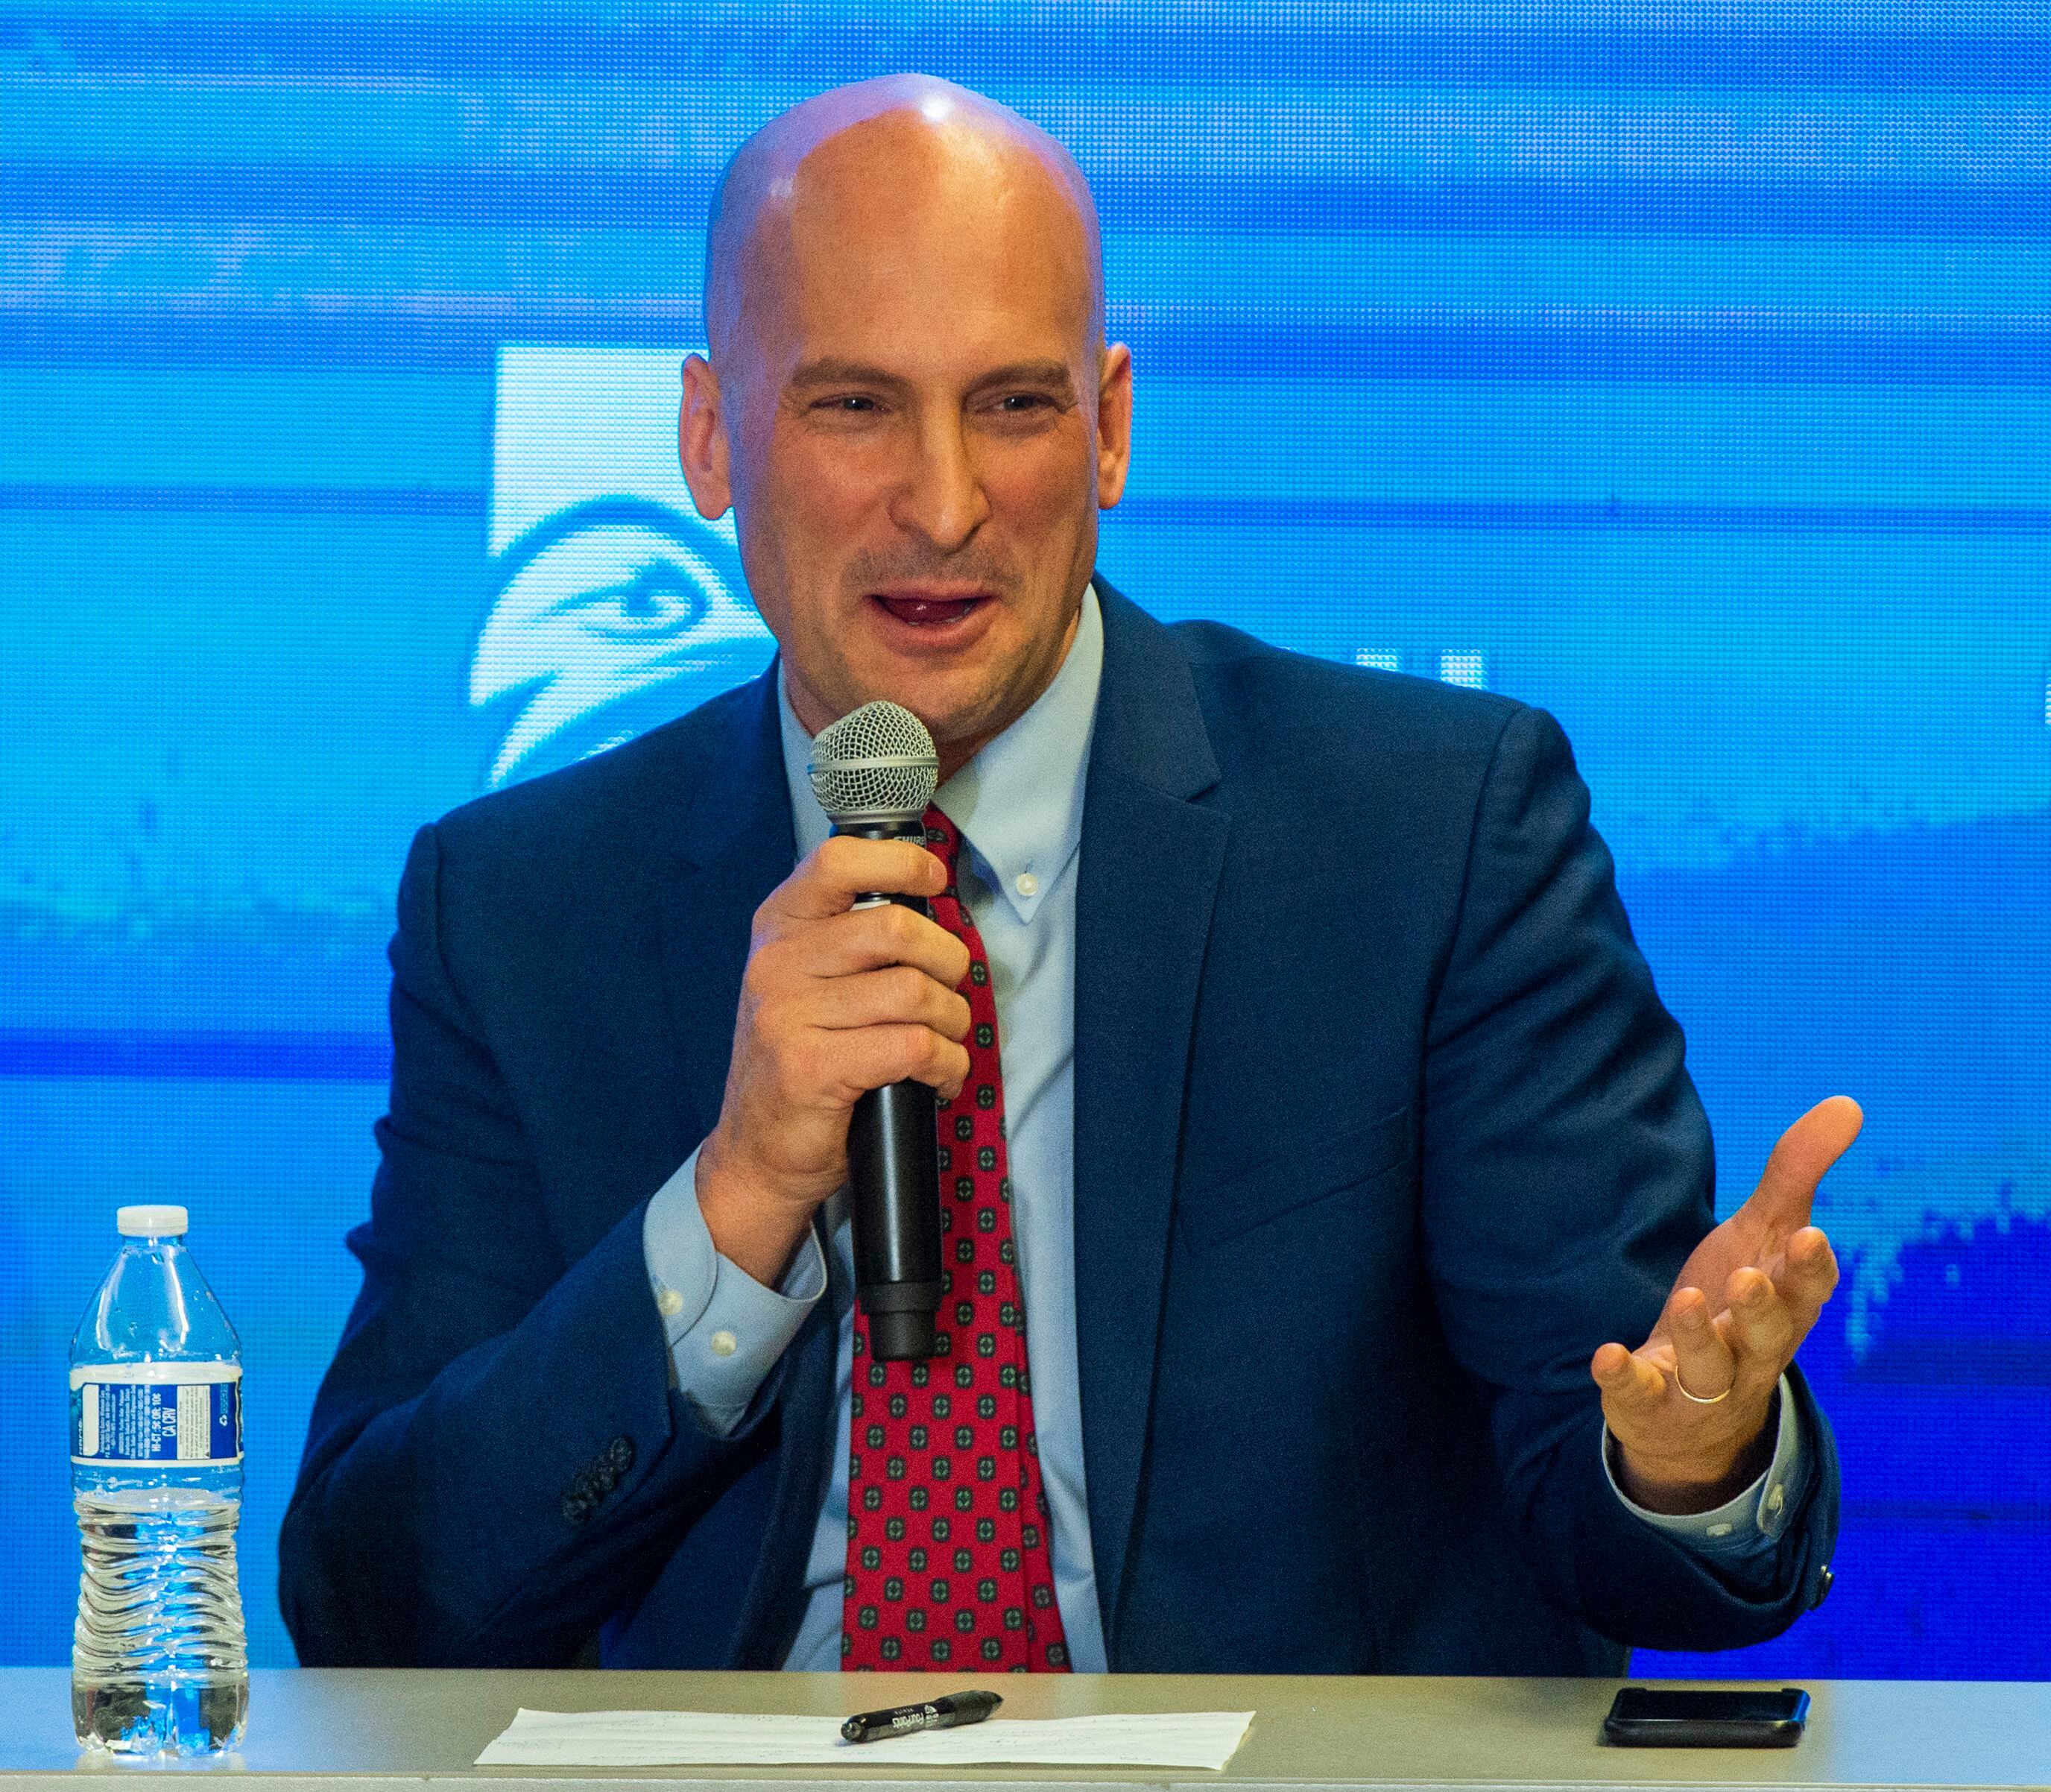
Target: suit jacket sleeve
(495, 1462)
(1567, 1175)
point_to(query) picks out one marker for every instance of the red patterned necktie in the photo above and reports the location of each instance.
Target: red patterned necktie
(948, 1559)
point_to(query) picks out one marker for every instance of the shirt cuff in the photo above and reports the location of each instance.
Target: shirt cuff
(726, 1331)
(1751, 1522)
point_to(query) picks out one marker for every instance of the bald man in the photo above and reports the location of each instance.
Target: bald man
(1333, 1285)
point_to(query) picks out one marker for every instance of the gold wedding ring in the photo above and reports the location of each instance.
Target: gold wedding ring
(1701, 1400)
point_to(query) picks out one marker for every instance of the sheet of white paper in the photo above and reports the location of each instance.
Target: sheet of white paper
(664, 1738)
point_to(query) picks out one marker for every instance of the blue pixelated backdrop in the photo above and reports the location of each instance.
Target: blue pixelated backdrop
(1684, 368)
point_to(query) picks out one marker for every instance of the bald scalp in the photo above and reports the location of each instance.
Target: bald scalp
(762, 177)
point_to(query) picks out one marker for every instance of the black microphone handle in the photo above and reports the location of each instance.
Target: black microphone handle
(894, 1180)
(893, 1172)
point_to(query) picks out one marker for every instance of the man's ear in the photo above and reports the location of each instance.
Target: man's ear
(702, 449)
(1114, 423)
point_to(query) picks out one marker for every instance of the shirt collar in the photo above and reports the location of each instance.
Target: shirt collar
(1019, 802)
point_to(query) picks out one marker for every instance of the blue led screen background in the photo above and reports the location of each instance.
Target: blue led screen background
(1687, 369)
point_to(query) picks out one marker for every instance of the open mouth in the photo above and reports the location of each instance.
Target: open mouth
(927, 612)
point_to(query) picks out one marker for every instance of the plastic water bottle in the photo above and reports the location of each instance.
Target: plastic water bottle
(160, 1661)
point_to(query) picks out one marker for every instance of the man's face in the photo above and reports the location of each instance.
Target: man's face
(917, 427)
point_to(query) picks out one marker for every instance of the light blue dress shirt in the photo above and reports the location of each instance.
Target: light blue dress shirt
(1019, 805)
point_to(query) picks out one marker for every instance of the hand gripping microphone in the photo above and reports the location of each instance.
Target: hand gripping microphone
(873, 771)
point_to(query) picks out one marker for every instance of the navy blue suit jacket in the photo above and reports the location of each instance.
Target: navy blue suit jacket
(1379, 1130)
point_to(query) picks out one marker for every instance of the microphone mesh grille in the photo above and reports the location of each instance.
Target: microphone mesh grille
(875, 760)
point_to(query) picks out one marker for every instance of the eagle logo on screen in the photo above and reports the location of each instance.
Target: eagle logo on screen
(611, 615)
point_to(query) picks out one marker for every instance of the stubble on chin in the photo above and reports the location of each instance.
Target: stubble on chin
(962, 714)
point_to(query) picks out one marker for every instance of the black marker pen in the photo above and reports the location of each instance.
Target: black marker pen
(940, 1713)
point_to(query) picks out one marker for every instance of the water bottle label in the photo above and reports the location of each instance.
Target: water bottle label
(157, 1412)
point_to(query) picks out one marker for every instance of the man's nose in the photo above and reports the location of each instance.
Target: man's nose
(942, 498)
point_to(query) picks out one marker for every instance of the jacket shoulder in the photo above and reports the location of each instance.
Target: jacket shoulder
(1263, 702)
(615, 801)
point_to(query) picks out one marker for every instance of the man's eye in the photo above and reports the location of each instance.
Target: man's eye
(848, 404)
(1015, 403)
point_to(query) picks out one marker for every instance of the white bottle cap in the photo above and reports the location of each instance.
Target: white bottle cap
(151, 1223)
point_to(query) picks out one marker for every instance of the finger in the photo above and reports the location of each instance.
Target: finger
(873, 1056)
(1629, 1383)
(842, 867)
(901, 994)
(1807, 1149)
(1701, 1358)
(1762, 1329)
(1806, 1275)
(867, 939)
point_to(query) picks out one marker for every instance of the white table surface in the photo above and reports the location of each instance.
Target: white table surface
(380, 1729)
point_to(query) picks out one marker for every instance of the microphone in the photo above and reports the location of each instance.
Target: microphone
(874, 771)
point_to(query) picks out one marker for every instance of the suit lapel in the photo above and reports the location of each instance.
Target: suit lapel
(1150, 861)
(736, 845)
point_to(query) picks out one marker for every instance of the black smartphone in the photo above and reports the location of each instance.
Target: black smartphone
(1727, 1717)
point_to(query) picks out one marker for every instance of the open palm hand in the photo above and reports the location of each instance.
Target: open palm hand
(1688, 1407)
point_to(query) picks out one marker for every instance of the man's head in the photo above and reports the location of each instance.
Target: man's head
(909, 404)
